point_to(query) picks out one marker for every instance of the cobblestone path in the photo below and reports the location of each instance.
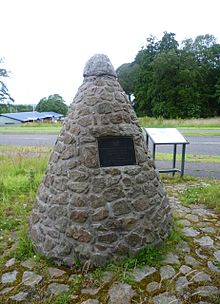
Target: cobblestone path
(190, 272)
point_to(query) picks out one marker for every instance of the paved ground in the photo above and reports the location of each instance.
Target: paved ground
(207, 145)
(35, 140)
(197, 169)
(204, 145)
(189, 273)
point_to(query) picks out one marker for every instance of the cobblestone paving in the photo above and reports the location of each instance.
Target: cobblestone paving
(190, 273)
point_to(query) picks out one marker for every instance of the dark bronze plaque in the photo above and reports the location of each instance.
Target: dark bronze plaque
(116, 151)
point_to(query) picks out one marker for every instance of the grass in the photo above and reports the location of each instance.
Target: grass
(189, 157)
(168, 179)
(63, 298)
(33, 128)
(207, 194)
(20, 176)
(203, 134)
(54, 128)
(97, 276)
(75, 287)
(204, 123)
(24, 149)
(25, 248)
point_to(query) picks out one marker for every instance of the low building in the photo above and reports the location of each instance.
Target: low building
(34, 116)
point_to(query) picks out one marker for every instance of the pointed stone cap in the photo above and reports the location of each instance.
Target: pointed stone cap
(99, 65)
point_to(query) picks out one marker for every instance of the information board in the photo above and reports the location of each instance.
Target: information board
(166, 136)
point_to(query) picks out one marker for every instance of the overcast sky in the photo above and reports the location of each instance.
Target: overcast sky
(46, 43)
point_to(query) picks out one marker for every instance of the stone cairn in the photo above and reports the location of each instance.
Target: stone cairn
(86, 210)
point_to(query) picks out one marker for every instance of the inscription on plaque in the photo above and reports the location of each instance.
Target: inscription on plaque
(116, 151)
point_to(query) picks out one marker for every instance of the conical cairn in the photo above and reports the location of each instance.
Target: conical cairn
(101, 198)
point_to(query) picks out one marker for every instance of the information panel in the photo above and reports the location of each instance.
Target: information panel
(166, 136)
(116, 151)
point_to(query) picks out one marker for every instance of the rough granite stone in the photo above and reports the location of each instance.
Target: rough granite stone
(200, 255)
(165, 298)
(141, 273)
(152, 286)
(205, 241)
(208, 229)
(6, 290)
(21, 296)
(205, 291)
(10, 262)
(212, 267)
(99, 65)
(189, 260)
(30, 264)
(217, 255)
(201, 277)
(189, 231)
(192, 218)
(81, 203)
(167, 272)
(30, 278)
(181, 284)
(184, 222)
(9, 277)
(120, 293)
(183, 247)
(55, 272)
(57, 288)
(107, 277)
(90, 301)
(202, 302)
(185, 269)
(90, 291)
(171, 258)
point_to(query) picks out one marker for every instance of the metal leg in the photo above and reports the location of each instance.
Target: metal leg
(147, 140)
(174, 158)
(183, 159)
(154, 151)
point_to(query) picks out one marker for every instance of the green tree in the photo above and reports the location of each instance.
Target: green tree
(173, 80)
(54, 103)
(217, 94)
(4, 93)
(144, 60)
(126, 74)
(207, 55)
(168, 42)
(174, 86)
(23, 108)
(144, 89)
(13, 108)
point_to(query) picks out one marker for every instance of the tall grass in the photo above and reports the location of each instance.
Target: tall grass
(204, 123)
(25, 150)
(42, 124)
(208, 195)
(47, 128)
(189, 158)
(54, 128)
(20, 176)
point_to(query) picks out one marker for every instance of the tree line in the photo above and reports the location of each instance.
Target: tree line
(52, 103)
(172, 80)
